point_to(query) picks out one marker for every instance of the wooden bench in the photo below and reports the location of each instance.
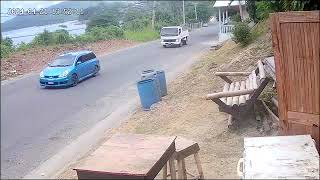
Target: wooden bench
(238, 97)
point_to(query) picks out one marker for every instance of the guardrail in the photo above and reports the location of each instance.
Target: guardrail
(226, 28)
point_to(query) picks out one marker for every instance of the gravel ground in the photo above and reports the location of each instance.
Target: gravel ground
(184, 111)
(35, 59)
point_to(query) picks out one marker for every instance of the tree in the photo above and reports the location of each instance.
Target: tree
(251, 8)
(44, 38)
(104, 20)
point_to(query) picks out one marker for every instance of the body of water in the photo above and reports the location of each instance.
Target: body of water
(27, 34)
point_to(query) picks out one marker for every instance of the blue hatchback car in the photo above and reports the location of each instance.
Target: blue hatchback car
(70, 68)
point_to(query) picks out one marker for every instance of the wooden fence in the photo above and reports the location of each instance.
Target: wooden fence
(295, 38)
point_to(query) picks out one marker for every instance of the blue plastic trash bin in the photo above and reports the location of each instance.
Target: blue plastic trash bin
(149, 74)
(148, 93)
(163, 83)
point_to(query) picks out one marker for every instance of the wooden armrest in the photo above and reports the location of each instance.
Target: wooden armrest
(229, 94)
(232, 73)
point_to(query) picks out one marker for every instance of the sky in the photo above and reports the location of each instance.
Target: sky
(5, 5)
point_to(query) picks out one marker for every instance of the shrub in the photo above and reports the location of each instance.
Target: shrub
(23, 46)
(61, 37)
(241, 33)
(5, 50)
(84, 38)
(263, 10)
(7, 41)
(44, 38)
(236, 18)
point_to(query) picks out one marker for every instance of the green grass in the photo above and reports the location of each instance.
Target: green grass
(141, 36)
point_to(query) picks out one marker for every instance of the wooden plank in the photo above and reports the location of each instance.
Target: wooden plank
(235, 99)
(134, 155)
(278, 55)
(225, 89)
(199, 167)
(165, 171)
(232, 73)
(247, 87)
(295, 38)
(229, 99)
(275, 102)
(276, 118)
(242, 98)
(304, 118)
(303, 16)
(250, 82)
(254, 80)
(229, 95)
(262, 74)
(172, 168)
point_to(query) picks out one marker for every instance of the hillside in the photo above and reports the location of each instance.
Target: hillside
(19, 22)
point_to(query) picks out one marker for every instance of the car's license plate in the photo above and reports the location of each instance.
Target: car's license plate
(50, 82)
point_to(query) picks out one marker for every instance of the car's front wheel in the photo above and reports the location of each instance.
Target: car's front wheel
(74, 79)
(96, 70)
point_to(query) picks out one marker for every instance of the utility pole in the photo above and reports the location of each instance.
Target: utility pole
(153, 14)
(240, 9)
(184, 17)
(195, 10)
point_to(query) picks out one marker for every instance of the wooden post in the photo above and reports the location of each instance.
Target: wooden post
(184, 169)
(225, 89)
(240, 9)
(219, 20)
(164, 171)
(180, 171)
(229, 99)
(227, 16)
(172, 168)
(198, 162)
(222, 18)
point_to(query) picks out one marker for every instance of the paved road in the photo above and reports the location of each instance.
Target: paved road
(36, 123)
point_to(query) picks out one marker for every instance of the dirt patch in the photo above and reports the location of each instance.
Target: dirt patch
(35, 59)
(185, 112)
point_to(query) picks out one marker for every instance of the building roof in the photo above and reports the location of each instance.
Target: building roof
(226, 3)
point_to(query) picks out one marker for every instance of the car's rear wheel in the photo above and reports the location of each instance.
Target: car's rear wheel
(74, 79)
(96, 70)
(164, 46)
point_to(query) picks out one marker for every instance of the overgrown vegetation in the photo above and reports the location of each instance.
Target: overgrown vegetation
(259, 10)
(241, 33)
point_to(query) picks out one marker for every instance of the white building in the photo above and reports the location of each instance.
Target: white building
(225, 27)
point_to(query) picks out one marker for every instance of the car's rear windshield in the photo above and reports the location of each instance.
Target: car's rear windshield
(63, 60)
(169, 31)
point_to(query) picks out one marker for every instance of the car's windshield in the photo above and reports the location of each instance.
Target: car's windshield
(169, 31)
(63, 60)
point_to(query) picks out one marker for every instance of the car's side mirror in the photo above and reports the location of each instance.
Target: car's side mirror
(49, 64)
(78, 62)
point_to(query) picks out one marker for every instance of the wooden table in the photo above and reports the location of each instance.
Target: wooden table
(128, 156)
(280, 157)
